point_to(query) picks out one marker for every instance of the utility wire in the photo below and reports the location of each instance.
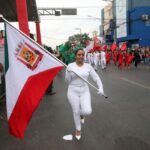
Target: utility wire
(79, 7)
(81, 18)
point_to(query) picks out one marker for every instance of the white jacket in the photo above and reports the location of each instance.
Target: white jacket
(85, 72)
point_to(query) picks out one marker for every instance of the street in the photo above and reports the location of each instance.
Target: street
(121, 122)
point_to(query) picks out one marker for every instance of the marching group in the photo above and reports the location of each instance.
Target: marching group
(120, 58)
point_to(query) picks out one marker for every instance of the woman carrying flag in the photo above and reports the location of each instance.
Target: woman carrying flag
(78, 91)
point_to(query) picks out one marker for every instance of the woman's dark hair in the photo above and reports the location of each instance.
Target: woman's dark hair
(78, 50)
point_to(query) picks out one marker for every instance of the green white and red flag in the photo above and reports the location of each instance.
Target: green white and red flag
(29, 71)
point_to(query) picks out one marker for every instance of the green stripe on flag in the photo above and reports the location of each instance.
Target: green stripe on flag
(6, 52)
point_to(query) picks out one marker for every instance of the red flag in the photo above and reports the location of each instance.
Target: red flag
(108, 57)
(104, 47)
(114, 46)
(123, 46)
(97, 45)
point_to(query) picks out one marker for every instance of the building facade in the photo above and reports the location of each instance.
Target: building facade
(131, 22)
(106, 30)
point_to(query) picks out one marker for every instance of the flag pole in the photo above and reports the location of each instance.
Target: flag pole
(5, 20)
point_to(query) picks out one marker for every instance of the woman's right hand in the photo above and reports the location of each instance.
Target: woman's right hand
(101, 92)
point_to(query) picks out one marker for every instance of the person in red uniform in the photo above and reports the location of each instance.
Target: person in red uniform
(115, 54)
(126, 57)
(120, 59)
(130, 59)
(108, 57)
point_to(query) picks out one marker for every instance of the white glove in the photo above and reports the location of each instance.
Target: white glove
(100, 91)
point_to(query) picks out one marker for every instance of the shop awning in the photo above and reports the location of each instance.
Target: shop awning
(8, 10)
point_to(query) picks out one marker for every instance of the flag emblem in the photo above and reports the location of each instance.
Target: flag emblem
(28, 55)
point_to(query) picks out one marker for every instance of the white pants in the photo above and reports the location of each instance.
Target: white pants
(103, 63)
(95, 64)
(80, 101)
(89, 60)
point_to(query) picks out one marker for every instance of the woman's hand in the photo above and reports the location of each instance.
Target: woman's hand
(100, 91)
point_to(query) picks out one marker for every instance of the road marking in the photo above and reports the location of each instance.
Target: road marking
(136, 83)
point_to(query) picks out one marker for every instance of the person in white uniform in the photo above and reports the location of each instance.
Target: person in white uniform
(78, 90)
(96, 58)
(103, 59)
(89, 58)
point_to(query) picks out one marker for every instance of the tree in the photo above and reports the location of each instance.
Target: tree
(74, 42)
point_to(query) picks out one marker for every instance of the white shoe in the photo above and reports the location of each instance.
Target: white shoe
(68, 137)
(78, 137)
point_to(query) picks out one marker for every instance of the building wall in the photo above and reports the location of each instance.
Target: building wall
(138, 26)
(138, 31)
(121, 17)
(102, 22)
(137, 3)
(107, 17)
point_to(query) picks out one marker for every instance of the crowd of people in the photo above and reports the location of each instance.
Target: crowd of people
(120, 58)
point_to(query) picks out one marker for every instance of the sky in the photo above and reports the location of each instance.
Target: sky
(56, 29)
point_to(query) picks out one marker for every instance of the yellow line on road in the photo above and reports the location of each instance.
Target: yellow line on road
(136, 83)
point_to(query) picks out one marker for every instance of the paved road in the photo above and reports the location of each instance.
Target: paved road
(122, 122)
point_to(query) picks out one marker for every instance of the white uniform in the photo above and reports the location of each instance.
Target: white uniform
(89, 58)
(96, 59)
(103, 59)
(78, 90)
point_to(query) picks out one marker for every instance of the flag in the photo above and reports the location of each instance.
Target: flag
(29, 71)
(114, 46)
(123, 46)
(96, 46)
(104, 47)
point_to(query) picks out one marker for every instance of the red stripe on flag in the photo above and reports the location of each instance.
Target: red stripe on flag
(29, 99)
